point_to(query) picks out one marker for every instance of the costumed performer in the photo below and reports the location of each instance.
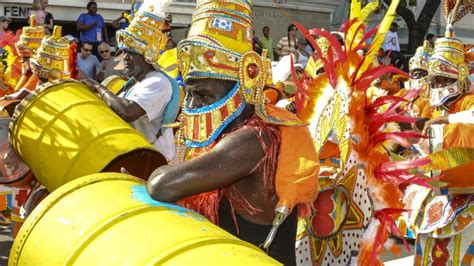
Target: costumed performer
(445, 234)
(150, 98)
(249, 167)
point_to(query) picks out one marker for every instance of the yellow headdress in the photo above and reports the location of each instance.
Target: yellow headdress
(448, 55)
(421, 57)
(219, 46)
(30, 38)
(144, 34)
(52, 58)
(419, 61)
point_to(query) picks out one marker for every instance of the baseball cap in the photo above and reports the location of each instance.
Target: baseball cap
(3, 18)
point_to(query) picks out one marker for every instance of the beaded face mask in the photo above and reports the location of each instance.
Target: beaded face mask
(201, 126)
(439, 96)
(448, 61)
(419, 68)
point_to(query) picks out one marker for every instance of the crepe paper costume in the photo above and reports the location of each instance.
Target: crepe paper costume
(219, 46)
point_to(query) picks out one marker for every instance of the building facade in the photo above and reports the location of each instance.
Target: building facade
(275, 14)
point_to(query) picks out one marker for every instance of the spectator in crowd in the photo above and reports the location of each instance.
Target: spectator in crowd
(431, 38)
(49, 20)
(256, 43)
(87, 63)
(108, 64)
(266, 42)
(92, 27)
(288, 44)
(391, 47)
(167, 27)
(303, 55)
(4, 23)
(39, 13)
(168, 21)
(121, 22)
(170, 44)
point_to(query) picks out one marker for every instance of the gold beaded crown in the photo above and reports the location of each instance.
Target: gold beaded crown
(219, 46)
(144, 34)
(52, 58)
(421, 57)
(448, 55)
(448, 58)
(30, 38)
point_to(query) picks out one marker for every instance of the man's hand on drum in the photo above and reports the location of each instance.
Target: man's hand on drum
(92, 84)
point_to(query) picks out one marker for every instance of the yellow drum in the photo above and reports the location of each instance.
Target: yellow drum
(64, 131)
(114, 83)
(109, 219)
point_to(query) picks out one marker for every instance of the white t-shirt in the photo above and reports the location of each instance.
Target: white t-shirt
(391, 42)
(153, 94)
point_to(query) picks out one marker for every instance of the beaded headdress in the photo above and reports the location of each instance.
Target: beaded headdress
(421, 57)
(30, 38)
(418, 62)
(144, 34)
(448, 56)
(219, 46)
(51, 61)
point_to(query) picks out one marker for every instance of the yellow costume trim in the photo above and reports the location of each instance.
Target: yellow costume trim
(30, 38)
(52, 57)
(449, 158)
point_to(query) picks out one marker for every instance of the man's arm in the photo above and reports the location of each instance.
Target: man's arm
(126, 109)
(279, 48)
(233, 158)
(100, 75)
(81, 26)
(104, 30)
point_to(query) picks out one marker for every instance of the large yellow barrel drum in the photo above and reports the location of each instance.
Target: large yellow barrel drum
(63, 131)
(109, 219)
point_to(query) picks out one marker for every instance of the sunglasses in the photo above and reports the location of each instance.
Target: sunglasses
(294, 29)
(104, 51)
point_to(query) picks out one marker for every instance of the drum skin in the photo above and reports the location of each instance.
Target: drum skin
(64, 131)
(109, 219)
(114, 83)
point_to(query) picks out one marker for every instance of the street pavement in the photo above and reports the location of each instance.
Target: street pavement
(5, 245)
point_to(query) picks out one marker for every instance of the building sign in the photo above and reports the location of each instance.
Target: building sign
(16, 11)
(267, 14)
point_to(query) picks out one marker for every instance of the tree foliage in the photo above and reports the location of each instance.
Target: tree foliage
(417, 27)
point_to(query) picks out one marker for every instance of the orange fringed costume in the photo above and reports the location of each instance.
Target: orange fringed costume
(294, 182)
(459, 136)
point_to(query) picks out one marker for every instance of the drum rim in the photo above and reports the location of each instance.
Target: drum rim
(26, 103)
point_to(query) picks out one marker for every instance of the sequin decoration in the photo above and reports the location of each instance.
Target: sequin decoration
(222, 24)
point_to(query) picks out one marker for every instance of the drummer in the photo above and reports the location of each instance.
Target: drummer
(150, 99)
(49, 63)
